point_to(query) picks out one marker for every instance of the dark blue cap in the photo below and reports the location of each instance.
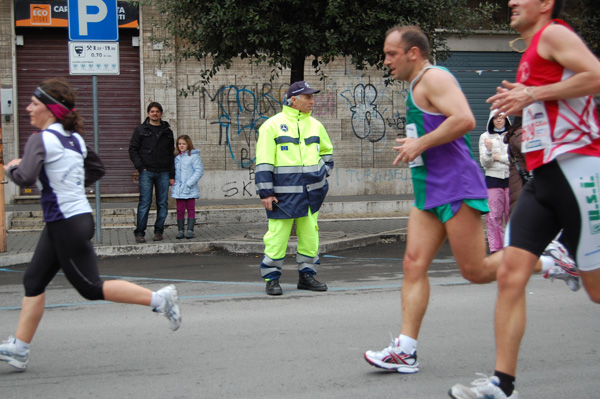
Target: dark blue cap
(298, 88)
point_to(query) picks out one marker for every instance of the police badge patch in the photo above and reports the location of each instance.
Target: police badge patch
(283, 127)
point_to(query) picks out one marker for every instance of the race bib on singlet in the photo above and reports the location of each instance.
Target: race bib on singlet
(411, 131)
(536, 128)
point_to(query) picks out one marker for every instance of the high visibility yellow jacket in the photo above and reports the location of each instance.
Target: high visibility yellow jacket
(294, 157)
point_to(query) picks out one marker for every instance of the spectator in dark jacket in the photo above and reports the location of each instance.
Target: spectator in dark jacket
(518, 171)
(151, 151)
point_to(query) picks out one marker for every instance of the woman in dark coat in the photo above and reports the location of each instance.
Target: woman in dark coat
(518, 171)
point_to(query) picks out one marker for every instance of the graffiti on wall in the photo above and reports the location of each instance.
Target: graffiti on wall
(236, 189)
(397, 122)
(325, 105)
(263, 98)
(241, 111)
(367, 122)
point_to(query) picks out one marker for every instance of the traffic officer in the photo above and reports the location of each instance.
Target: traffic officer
(294, 157)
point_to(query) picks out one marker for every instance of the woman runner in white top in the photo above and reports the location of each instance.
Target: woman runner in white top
(57, 159)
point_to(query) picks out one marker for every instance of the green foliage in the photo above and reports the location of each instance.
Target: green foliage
(584, 16)
(283, 33)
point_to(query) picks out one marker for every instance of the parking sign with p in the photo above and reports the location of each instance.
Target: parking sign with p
(93, 20)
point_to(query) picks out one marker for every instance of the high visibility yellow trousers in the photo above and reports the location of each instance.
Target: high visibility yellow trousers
(276, 241)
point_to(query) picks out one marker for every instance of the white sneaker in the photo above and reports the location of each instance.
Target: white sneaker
(9, 353)
(481, 388)
(565, 268)
(393, 359)
(170, 308)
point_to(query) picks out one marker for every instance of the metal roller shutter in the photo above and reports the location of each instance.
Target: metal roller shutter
(45, 55)
(479, 73)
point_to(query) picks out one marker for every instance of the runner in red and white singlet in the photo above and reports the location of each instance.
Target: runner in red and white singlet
(556, 81)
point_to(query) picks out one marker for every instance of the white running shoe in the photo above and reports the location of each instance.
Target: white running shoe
(9, 353)
(170, 308)
(393, 359)
(481, 388)
(565, 268)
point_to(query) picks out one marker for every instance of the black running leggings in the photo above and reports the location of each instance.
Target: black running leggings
(66, 244)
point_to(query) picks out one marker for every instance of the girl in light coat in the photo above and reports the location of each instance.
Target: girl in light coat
(494, 160)
(188, 171)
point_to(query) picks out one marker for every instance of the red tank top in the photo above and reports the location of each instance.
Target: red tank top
(572, 124)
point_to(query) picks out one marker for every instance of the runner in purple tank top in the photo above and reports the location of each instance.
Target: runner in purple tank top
(449, 187)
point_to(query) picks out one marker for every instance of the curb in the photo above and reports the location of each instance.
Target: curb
(237, 246)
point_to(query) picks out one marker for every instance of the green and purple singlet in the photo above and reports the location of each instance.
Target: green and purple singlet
(446, 174)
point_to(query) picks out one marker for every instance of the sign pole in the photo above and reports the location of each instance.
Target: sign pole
(3, 246)
(94, 49)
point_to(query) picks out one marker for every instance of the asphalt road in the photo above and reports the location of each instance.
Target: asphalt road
(237, 342)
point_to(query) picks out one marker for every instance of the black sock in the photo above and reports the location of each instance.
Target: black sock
(507, 382)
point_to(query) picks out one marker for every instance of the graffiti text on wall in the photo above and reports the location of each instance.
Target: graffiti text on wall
(325, 105)
(243, 189)
(240, 113)
(367, 122)
(398, 122)
(242, 109)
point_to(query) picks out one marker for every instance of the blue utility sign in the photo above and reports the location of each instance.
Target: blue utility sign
(93, 20)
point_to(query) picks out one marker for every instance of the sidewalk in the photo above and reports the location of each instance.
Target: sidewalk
(236, 226)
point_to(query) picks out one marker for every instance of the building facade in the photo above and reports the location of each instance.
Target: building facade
(362, 116)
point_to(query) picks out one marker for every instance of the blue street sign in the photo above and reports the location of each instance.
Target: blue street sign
(93, 20)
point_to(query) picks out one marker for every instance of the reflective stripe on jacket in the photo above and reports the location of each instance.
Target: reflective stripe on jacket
(294, 157)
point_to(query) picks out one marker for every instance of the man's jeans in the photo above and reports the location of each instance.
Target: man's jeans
(148, 180)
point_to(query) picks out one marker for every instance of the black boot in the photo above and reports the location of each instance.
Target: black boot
(273, 287)
(190, 230)
(306, 281)
(180, 228)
